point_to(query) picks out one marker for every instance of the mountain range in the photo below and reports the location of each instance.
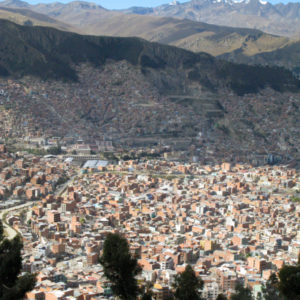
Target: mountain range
(60, 81)
(49, 53)
(280, 19)
(242, 45)
(137, 92)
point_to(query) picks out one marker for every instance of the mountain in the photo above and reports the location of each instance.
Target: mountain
(76, 13)
(280, 19)
(24, 16)
(190, 35)
(47, 52)
(15, 3)
(138, 93)
(241, 45)
(287, 56)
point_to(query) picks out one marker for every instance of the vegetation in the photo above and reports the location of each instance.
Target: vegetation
(221, 297)
(55, 150)
(295, 199)
(241, 293)
(187, 285)
(289, 282)
(12, 286)
(270, 290)
(147, 296)
(120, 267)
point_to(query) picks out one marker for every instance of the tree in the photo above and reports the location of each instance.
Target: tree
(270, 290)
(289, 282)
(120, 267)
(187, 285)
(147, 296)
(12, 286)
(221, 297)
(55, 150)
(241, 293)
(259, 296)
(147, 293)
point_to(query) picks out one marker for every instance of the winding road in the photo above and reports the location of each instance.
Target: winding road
(9, 231)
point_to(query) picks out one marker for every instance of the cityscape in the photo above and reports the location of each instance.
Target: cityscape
(150, 152)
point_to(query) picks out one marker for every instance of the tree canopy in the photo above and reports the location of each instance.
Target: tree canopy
(120, 267)
(187, 285)
(270, 289)
(12, 285)
(241, 293)
(289, 284)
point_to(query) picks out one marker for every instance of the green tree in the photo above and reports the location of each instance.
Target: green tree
(147, 296)
(289, 282)
(270, 290)
(221, 297)
(147, 293)
(259, 296)
(12, 286)
(120, 267)
(241, 293)
(55, 150)
(187, 285)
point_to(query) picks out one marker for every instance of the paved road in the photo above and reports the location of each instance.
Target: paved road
(10, 232)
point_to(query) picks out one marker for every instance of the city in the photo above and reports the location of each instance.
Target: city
(227, 221)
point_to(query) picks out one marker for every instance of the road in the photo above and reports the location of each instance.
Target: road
(9, 231)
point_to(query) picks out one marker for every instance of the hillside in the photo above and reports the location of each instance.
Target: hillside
(47, 52)
(24, 16)
(190, 35)
(89, 18)
(235, 44)
(287, 56)
(280, 19)
(138, 93)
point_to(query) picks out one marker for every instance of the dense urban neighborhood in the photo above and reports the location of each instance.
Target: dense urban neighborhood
(146, 155)
(229, 221)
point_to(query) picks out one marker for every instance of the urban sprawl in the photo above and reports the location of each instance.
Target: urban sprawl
(234, 223)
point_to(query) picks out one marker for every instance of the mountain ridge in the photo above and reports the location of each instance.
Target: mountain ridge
(280, 19)
(47, 52)
(241, 45)
(140, 94)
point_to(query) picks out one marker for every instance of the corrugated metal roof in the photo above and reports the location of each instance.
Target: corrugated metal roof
(94, 164)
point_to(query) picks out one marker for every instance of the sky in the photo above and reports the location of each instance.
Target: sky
(121, 4)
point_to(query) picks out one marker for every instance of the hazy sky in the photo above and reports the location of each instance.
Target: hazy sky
(119, 4)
